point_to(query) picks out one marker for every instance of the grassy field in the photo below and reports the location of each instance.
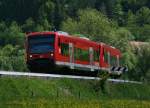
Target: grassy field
(27, 92)
(74, 103)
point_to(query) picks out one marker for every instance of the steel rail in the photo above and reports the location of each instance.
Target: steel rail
(11, 73)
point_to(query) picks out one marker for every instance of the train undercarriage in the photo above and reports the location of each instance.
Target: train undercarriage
(49, 66)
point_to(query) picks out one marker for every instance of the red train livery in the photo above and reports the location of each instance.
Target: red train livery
(59, 50)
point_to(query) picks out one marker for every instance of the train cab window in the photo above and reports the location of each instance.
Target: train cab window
(81, 54)
(38, 44)
(96, 55)
(64, 49)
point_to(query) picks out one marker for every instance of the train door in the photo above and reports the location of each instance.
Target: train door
(106, 58)
(71, 55)
(118, 60)
(96, 57)
(91, 58)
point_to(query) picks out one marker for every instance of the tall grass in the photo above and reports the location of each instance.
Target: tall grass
(74, 103)
(30, 92)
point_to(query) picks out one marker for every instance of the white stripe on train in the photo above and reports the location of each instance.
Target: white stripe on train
(89, 67)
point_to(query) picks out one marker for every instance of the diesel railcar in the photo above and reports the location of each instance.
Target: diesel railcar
(58, 51)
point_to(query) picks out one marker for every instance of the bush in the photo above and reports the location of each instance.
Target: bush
(12, 59)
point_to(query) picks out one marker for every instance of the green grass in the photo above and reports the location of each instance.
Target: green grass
(74, 103)
(27, 92)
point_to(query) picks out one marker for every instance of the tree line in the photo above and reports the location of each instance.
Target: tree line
(115, 22)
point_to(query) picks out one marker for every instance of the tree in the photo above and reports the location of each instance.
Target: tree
(131, 19)
(12, 58)
(32, 26)
(139, 24)
(11, 35)
(19, 10)
(142, 68)
(143, 16)
(91, 23)
(122, 38)
(117, 12)
(29, 25)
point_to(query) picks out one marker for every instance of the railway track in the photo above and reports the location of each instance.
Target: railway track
(10, 73)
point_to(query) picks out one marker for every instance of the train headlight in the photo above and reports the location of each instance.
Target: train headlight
(52, 54)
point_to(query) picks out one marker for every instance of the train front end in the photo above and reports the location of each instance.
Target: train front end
(40, 49)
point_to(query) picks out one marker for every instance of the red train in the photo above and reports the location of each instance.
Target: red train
(58, 51)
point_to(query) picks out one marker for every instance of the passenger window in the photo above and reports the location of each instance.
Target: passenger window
(106, 56)
(113, 61)
(64, 49)
(96, 55)
(81, 54)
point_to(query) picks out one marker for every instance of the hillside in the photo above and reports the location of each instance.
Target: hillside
(114, 22)
(28, 92)
(124, 24)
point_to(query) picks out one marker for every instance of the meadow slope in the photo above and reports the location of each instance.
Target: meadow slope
(25, 92)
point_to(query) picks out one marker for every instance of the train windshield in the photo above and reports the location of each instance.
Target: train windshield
(41, 43)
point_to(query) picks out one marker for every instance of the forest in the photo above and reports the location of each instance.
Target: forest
(115, 22)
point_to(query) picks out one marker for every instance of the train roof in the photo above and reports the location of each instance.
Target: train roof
(75, 38)
(41, 33)
(63, 35)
